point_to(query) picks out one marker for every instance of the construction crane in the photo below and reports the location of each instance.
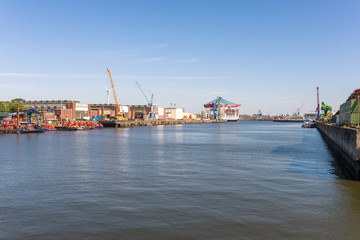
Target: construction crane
(151, 115)
(118, 115)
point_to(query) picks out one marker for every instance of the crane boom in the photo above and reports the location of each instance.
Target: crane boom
(117, 106)
(302, 106)
(147, 99)
(151, 115)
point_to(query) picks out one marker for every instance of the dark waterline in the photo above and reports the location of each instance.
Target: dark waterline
(246, 180)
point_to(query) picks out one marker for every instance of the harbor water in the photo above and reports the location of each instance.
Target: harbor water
(245, 180)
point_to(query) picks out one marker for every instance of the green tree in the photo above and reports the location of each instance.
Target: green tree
(19, 100)
(8, 107)
(14, 105)
(2, 107)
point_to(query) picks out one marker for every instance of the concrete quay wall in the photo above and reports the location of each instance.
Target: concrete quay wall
(345, 141)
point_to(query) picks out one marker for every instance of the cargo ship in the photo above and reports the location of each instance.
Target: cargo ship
(231, 115)
(294, 120)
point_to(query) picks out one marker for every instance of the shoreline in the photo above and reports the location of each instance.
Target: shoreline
(125, 124)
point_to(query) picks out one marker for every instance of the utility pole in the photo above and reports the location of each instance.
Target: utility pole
(18, 117)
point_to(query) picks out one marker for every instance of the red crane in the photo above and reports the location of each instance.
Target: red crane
(318, 102)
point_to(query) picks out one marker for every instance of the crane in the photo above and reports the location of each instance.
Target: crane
(327, 111)
(298, 110)
(151, 115)
(117, 106)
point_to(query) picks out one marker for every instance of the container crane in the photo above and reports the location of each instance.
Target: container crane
(151, 115)
(118, 115)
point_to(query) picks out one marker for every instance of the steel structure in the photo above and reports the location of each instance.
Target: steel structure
(151, 115)
(27, 112)
(118, 115)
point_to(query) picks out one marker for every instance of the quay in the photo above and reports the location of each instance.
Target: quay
(123, 124)
(134, 123)
(345, 141)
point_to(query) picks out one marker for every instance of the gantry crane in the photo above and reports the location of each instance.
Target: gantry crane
(118, 115)
(151, 115)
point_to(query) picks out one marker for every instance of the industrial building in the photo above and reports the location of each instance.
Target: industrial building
(60, 109)
(174, 113)
(107, 110)
(75, 110)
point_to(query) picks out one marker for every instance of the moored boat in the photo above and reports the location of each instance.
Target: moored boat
(308, 124)
(30, 130)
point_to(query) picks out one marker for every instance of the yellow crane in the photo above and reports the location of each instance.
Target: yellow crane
(118, 115)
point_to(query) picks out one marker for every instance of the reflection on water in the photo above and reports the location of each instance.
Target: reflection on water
(248, 180)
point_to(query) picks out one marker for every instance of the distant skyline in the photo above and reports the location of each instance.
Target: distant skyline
(265, 55)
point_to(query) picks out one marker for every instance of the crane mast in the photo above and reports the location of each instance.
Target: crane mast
(117, 106)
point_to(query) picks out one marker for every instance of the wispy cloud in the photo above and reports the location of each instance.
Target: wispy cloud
(123, 51)
(11, 85)
(46, 75)
(177, 77)
(156, 59)
(164, 60)
(96, 76)
(28, 86)
(183, 60)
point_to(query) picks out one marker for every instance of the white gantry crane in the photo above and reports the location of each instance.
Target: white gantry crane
(151, 115)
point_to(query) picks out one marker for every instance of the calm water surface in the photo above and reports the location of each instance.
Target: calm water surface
(246, 180)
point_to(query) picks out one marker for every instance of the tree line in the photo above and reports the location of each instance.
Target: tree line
(12, 106)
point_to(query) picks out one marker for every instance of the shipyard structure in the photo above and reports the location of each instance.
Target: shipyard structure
(63, 110)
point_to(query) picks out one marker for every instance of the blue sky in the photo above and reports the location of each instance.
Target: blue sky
(268, 55)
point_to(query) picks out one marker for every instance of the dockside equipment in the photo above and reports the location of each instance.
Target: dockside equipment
(118, 114)
(327, 111)
(151, 115)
